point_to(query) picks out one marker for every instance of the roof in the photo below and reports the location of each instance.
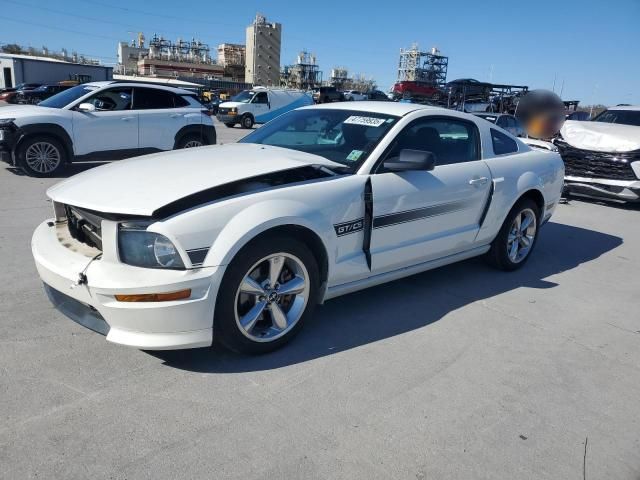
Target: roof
(167, 81)
(176, 90)
(390, 108)
(48, 59)
(635, 108)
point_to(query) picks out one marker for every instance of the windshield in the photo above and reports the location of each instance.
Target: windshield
(625, 117)
(243, 97)
(342, 136)
(65, 97)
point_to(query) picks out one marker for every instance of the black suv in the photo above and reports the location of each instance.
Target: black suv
(327, 95)
(35, 96)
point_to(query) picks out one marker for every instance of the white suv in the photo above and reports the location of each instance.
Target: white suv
(102, 120)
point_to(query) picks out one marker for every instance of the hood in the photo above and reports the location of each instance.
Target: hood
(142, 185)
(600, 136)
(20, 111)
(231, 104)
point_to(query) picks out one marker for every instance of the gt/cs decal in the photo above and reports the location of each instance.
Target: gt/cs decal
(349, 227)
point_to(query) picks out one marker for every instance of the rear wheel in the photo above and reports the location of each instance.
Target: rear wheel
(190, 141)
(516, 239)
(268, 291)
(41, 156)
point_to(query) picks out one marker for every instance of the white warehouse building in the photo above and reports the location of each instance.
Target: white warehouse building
(16, 69)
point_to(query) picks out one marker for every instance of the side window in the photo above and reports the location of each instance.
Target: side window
(180, 102)
(502, 144)
(261, 98)
(112, 100)
(152, 99)
(449, 139)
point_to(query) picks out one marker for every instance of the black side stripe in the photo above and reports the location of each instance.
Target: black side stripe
(487, 205)
(368, 221)
(419, 213)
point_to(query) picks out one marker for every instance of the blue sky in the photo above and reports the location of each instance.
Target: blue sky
(591, 46)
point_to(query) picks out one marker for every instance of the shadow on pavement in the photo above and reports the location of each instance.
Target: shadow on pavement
(408, 304)
(68, 171)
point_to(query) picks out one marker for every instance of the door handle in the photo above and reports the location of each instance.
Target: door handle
(478, 181)
(126, 119)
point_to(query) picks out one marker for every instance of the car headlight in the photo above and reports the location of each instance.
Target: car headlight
(6, 121)
(141, 248)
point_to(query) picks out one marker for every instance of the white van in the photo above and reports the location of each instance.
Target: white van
(261, 104)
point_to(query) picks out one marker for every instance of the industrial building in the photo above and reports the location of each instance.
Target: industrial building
(19, 68)
(263, 52)
(232, 57)
(305, 74)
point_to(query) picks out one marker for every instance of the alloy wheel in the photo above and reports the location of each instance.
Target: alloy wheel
(272, 297)
(192, 144)
(521, 235)
(42, 157)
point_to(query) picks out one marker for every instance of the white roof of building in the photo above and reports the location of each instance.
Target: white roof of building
(47, 59)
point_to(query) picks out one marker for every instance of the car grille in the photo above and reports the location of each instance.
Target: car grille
(592, 164)
(84, 226)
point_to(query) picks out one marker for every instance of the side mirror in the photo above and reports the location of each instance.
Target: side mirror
(86, 107)
(411, 160)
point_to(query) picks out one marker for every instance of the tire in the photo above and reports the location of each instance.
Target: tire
(244, 321)
(41, 156)
(501, 253)
(230, 125)
(247, 121)
(191, 140)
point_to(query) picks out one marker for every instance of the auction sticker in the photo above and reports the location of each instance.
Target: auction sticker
(365, 121)
(354, 155)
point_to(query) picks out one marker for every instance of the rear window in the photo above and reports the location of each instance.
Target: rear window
(502, 144)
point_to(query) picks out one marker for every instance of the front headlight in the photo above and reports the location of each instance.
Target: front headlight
(141, 248)
(6, 121)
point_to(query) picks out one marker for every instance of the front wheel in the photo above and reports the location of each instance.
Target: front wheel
(247, 121)
(41, 156)
(267, 292)
(516, 239)
(190, 141)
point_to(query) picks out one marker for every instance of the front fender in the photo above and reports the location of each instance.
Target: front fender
(260, 217)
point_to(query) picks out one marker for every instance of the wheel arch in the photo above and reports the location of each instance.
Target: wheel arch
(206, 132)
(47, 130)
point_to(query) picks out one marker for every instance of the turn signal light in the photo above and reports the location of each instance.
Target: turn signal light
(155, 297)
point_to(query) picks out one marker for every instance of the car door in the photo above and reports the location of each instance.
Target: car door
(260, 107)
(424, 215)
(161, 117)
(112, 126)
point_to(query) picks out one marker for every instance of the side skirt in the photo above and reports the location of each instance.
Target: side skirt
(343, 289)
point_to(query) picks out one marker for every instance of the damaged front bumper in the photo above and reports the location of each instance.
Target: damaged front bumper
(607, 175)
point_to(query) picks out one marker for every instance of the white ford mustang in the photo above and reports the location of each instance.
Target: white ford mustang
(239, 242)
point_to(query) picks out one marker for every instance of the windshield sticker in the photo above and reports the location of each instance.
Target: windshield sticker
(354, 155)
(365, 121)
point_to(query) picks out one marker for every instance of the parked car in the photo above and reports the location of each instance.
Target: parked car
(107, 120)
(327, 95)
(351, 95)
(260, 105)
(469, 87)
(322, 201)
(602, 156)
(214, 104)
(505, 121)
(377, 95)
(9, 94)
(36, 95)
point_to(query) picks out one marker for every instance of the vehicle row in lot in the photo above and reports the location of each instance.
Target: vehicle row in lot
(38, 94)
(9, 94)
(332, 94)
(320, 202)
(108, 120)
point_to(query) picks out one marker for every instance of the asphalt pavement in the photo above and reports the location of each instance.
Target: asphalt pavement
(459, 373)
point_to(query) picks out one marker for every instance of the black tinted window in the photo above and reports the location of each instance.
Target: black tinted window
(624, 117)
(450, 140)
(261, 98)
(111, 100)
(150, 98)
(502, 144)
